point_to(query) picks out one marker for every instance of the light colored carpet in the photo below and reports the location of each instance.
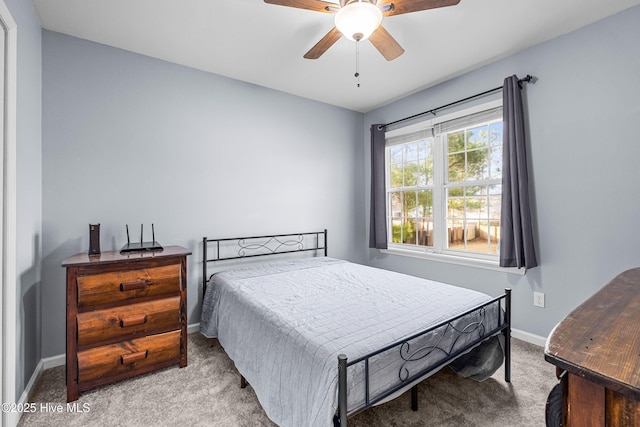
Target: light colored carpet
(207, 393)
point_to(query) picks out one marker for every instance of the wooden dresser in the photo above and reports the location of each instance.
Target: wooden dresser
(597, 353)
(126, 315)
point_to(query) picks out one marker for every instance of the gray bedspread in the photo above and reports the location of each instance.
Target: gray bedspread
(284, 325)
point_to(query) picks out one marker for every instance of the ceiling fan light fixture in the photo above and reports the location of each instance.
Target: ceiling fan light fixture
(358, 20)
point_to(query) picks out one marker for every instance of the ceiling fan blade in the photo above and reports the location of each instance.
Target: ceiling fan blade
(316, 5)
(398, 7)
(325, 43)
(386, 44)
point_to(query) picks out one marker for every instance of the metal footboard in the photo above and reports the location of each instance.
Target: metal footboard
(406, 378)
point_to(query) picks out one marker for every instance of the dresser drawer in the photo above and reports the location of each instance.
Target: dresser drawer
(134, 356)
(139, 318)
(118, 286)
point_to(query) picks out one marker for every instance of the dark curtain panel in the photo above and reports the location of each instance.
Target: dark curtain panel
(378, 216)
(516, 237)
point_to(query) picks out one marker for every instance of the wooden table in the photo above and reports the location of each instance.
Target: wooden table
(596, 350)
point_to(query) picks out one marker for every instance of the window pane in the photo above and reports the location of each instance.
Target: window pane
(411, 174)
(455, 205)
(409, 204)
(395, 155)
(495, 166)
(455, 232)
(495, 133)
(476, 208)
(425, 203)
(477, 240)
(477, 164)
(411, 152)
(396, 205)
(468, 210)
(425, 162)
(409, 231)
(424, 175)
(395, 166)
(456, 167)
(494, 236)
(395, 176)
(475, 190)
(478, 137)
(455, 142)
(425, 231)
(495, 207)
(396, 230)
(455, 192)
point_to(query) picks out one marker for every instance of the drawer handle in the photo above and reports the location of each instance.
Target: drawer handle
(134, 285)
(133, 320)
(126, 359)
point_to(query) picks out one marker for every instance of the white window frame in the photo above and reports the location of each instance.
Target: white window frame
(439, 251)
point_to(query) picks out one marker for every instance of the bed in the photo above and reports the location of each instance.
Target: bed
(320, 339)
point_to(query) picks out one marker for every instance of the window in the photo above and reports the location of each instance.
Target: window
(444, 184)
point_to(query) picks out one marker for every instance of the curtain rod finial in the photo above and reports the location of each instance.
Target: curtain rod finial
(529, 79)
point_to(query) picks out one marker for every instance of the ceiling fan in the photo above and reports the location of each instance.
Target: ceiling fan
(361, 19)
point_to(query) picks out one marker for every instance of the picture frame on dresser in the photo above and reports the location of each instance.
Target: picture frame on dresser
(126, 315)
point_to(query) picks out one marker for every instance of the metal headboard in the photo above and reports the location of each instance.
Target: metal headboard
(256, 246)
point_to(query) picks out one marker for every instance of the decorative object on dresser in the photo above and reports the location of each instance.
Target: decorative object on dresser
(596, 351)
(94, 239)
(153, 245)
(126, 315)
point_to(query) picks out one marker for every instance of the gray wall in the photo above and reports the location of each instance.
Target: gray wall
(584, 150)
(128, 139)
(29, 190)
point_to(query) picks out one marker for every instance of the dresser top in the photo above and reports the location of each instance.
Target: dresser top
(600, 340)
(83, 259)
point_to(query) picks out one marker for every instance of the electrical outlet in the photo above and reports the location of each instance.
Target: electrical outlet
(538, 299)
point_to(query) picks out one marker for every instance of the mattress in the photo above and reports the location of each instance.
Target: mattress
(284, 324)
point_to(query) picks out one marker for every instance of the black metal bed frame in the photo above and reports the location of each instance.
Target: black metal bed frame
(403, 345)
(249, 247)
(273, 245)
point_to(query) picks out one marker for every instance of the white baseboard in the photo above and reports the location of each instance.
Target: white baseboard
(194, 327)
(14, 418)
(53, 361)
(529, 337)
(32, 382)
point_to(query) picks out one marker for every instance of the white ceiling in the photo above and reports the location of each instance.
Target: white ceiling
(263, 44)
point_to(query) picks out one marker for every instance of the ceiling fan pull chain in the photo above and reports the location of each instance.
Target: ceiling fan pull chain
(357, 74)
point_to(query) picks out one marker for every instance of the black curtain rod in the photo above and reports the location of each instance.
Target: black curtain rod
(526, 79)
